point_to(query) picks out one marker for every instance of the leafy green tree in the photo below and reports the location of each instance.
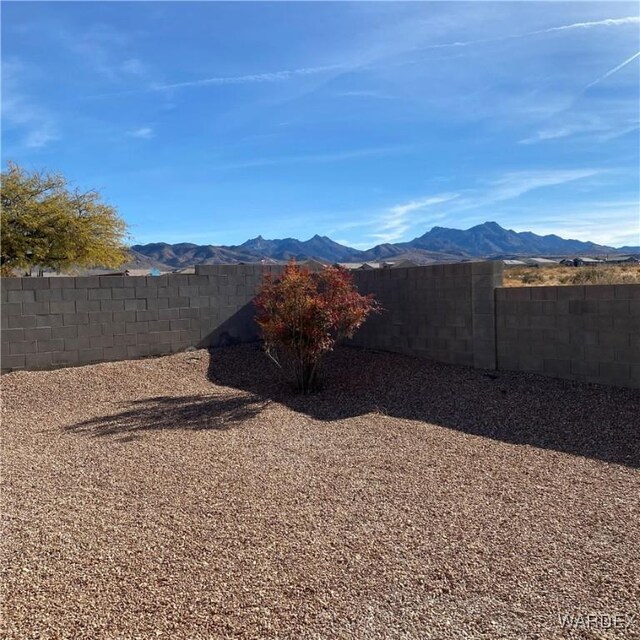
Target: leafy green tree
(48, 224)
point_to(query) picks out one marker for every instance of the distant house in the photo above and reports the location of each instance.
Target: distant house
(105, 272)
(513, 263)
(622, 260)
(402, 264)
(359, 266)
(366, 266)
(83, 272)
(540, 262)
(584, 261)
(313, 265)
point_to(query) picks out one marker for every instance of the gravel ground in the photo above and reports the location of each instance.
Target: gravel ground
(193, 496)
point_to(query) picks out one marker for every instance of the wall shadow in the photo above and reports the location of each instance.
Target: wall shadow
(193, 412)
(240, 327)
(576, 418)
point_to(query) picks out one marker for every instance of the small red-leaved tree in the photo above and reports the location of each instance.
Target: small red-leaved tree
(303, 314)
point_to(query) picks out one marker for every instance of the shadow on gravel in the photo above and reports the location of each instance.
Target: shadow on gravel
(586, 420)
(194, 413)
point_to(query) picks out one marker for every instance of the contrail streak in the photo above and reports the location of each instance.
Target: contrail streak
(274, 76)
(612, 71)
(609, 22)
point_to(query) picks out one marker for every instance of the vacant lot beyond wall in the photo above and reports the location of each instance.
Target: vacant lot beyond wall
(588, 333)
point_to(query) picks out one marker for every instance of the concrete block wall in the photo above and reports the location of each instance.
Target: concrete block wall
(444, 312)
(588, 333)
(56, 322)
(455, 313)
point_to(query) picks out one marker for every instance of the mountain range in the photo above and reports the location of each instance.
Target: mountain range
(440, 244)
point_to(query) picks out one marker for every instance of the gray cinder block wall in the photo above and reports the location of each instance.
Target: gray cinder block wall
(444, 312)
(455, 313)
(56, 322)
(588, 333)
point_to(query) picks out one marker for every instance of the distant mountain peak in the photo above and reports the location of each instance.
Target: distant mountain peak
(440, 243)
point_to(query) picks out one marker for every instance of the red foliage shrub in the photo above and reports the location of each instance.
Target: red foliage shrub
(303, 314)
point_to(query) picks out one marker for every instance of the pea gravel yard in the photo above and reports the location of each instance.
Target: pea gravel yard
(194, 496)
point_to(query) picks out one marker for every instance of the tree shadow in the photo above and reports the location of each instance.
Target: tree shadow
(195, 413)
(588, 420)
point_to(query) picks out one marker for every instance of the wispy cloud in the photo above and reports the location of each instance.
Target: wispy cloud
(133, 67)
(602, 120)
(104, 49)
(98, 46)
(404, 49)
(338, 156)
(561, 131)
(517, 183)
(20, 112)
(364, 94)
(39, 137)
(396, 220)
(598, 128)
(595, 222)
(95, 48)
(146, 133)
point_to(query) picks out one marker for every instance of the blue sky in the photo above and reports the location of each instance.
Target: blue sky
(368, 122)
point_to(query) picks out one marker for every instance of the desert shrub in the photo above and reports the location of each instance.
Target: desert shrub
(532, 277)
(590, 275)
(561, 275)
(303, 314)
(603, 275)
